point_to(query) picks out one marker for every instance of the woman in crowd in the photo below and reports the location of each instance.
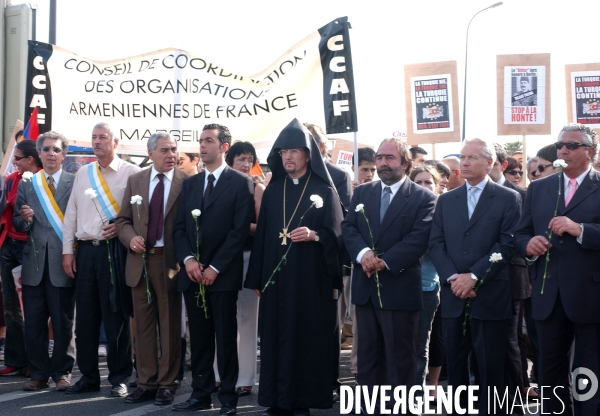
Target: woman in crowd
(428, 177)
(242, 157)
(188, 162)
(25, 159)
(514, 171)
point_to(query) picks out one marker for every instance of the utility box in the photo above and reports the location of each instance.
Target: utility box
(19, 27)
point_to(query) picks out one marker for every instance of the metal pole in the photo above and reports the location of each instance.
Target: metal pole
(466, 62)
(52, 30)
(355, 158)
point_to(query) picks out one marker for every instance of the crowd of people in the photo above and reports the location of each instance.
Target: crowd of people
(436, 265)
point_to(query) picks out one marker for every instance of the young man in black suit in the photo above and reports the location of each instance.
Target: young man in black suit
(400, 215)
(471, 223)
(566, 289)
(224, 198)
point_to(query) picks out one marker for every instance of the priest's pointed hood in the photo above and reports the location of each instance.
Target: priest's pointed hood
(293, 136)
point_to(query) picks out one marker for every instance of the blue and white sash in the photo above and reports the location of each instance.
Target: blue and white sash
(107, 202)
(55, 216)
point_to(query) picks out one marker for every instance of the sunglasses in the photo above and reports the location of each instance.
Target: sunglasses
(569, 145)
(20, 157)
(515, 172)
(56, 149)
(541, 168)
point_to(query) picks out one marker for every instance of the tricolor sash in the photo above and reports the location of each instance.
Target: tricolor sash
(107, 202)
(51, 209)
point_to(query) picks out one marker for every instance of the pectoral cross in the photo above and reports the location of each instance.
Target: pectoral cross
(285, 235)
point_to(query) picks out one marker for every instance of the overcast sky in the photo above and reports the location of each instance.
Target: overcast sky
(246, 36)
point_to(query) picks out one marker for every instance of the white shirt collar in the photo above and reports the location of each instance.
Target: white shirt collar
(216, 173)
(56, 175)
(168, 175)
(501, 180)
(394, 187)
(481, 185)
(579, 179)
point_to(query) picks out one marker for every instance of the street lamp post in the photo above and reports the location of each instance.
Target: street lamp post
(466, 62)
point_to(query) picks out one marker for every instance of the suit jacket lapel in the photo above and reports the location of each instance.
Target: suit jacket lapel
(221, 185)
(485, 201)
(461, 205)
(200, 189)
(143, 187)
(63, 186)
(175, 190)
(588, 186)
(557, 181)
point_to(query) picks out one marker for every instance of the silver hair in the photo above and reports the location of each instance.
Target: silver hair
(105, 125)
(589, 136)
(64, 143)
(530, 161)
(488, 151)
(154, 138)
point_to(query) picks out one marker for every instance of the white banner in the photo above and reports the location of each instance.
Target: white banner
(173, 90)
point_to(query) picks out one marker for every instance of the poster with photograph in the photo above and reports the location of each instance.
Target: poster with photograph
(524, 94)
(432, 109)
(585, 96)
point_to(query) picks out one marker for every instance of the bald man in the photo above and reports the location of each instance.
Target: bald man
(455, 180)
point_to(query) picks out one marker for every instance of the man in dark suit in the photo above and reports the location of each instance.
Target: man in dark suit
(471, 223)
(399, 214)
(566, 289)
(225, 199)
(156, 301)
(48, 293)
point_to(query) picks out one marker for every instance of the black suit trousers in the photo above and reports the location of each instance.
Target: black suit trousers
(555, 337)
(487, 339)
(221, 325)
(58, 303)
(92, 294)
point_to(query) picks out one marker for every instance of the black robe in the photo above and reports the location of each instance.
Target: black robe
(297, 312)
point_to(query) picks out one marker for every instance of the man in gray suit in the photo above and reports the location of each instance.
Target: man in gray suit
(47, 290)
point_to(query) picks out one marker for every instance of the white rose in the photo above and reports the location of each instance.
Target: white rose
(360, 208)
(317, 201)
(90, 193)
(136, 200)
(195, 213)
(495, 257)
(560, 163)
(27, 176)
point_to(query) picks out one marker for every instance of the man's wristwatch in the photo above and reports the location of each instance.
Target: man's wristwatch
(317, 237)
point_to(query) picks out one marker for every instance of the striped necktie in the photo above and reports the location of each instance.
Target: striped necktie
(471, 201)
(51, 184)
(385, 202)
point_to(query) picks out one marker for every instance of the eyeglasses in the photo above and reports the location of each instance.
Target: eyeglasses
(569, 145)
(541, 168)
(56, 149)
(17, 158)
(515, 172)
(285, 152)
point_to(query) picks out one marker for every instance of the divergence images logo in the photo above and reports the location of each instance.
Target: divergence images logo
(584, 379)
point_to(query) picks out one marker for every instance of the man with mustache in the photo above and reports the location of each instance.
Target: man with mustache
(89, 223)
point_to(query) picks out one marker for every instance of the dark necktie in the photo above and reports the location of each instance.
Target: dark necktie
(385, 202)
(51, 184)
(209, 188)
(156, 217)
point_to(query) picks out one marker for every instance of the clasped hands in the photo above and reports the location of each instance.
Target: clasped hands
(463, 285)
(198, 273)
(302, 234)
(538, 245)
(371, 263)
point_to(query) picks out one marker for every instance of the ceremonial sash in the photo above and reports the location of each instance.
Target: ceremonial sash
(51, 209)
(109, 206)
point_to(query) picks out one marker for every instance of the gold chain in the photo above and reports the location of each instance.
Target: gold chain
(285, 228)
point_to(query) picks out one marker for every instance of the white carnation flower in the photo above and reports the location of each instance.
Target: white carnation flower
(560, 163)
(195, 213)
(317, 201)
(27, 176)
(360, 208)
(495, 257)
(90, 193)
(136, 200)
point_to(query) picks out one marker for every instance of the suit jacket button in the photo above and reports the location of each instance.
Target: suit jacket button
(561, 241)
(464, 252)
(466, 233)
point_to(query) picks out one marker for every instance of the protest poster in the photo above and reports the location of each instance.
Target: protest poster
(431, 102)
(525, 86)
(344, 158)
(583, 94)
(175, 91)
